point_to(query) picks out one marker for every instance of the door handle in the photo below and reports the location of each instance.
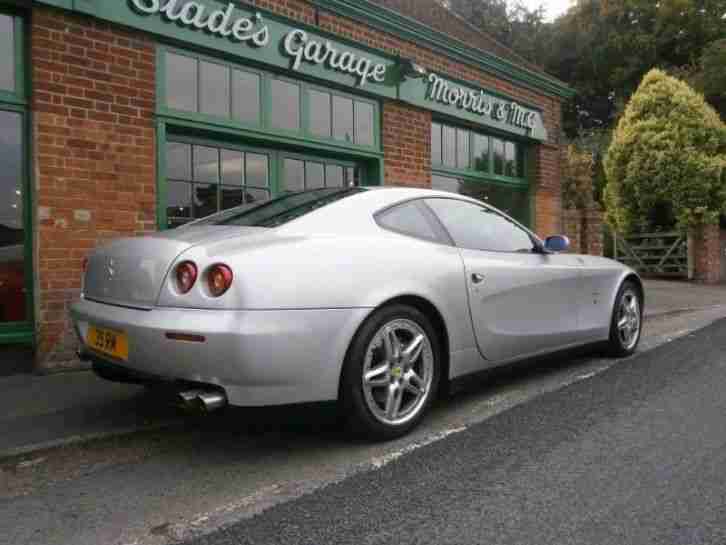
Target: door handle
(477, 278)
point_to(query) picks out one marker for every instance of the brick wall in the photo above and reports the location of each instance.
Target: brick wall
(407, 144)
(93, 103)
(706, 248)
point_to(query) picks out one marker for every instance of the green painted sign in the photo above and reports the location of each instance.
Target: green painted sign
(248, 34)
(473, 104)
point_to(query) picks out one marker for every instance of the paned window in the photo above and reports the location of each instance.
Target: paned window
(7, 57)
(203, 180)
(302, 174)
(223, 91)
(463, 149)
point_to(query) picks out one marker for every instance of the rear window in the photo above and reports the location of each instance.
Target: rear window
(278, 211)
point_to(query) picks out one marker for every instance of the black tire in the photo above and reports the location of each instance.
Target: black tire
(617, 347)
(355, 399)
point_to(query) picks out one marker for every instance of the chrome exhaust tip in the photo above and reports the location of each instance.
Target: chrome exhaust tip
(202, 401)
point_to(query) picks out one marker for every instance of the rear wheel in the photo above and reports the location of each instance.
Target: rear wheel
(627, 320)
(391, 372)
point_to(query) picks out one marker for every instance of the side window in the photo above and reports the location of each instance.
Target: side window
(407, 219)
(479, 228)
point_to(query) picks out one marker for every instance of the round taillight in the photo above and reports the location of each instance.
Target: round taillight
(219, 279)
(186, 276)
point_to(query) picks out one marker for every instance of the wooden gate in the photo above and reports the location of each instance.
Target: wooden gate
(658, 254)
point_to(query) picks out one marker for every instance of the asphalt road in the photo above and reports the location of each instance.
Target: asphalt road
(166, 486)
(634, 455)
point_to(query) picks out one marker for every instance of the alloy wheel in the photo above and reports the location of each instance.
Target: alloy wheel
(398, 372)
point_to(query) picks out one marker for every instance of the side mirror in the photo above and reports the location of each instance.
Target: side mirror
(557, 244)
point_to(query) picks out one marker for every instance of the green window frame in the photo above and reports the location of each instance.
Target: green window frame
(365, 135)
(455, 151)
(14, 98)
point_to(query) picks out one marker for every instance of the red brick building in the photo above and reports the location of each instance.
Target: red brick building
(121, 118)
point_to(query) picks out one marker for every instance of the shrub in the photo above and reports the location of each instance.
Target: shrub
(668, 153)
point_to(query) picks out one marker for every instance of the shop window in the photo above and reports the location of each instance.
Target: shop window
(203, 180)
(436, 157)
(320, 114)
(300, 174)
(12, 226)
(498, 156)
(364, 126)
(462, 148)
(7, 58)
(226, 92)
(246, 97)
(214, 89)
(449, 146)
(181, 82)
(481, 153)
(343, 119)
(285, 107)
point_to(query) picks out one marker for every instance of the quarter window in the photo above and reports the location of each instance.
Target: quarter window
(476, 227)
(407, 219)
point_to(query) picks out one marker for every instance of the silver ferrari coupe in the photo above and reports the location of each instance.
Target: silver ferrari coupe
(376, 298)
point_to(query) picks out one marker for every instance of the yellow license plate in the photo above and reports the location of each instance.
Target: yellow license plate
(111, 343)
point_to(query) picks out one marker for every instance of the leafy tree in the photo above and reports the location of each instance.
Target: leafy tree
(667, 156)
(577, 177)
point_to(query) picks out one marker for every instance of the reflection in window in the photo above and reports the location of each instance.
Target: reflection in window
(407, 219)
(285, 107)
(334, 176)
(12, 248)
(449, 145)
(462, 148)
(314, 175)
(320, 110)
(498, 154)
(206, 164)
(257, 171)
(7, 58)
(214, 89)
(178, 161)
(513, 201)
(232, 167)
(246, 97)
(481, 153)
(478, 228)
(436, 144)
(510, 158)
(364, 124)
(294, 175)
(181, 82)
(343, 119)
(203, 180)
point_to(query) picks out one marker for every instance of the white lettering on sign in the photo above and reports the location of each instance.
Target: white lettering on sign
(301, 48)
(220, 22)
(481, 104)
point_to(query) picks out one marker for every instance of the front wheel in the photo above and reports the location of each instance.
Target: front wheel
(391, 372)
(627, 321)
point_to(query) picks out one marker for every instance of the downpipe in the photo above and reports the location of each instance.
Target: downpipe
(202, 401)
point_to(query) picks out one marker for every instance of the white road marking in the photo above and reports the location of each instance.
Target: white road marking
(382, 461)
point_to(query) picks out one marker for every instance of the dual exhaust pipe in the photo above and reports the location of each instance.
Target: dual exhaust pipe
(202, 401)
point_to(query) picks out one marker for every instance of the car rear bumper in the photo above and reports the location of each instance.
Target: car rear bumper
(260, 358)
